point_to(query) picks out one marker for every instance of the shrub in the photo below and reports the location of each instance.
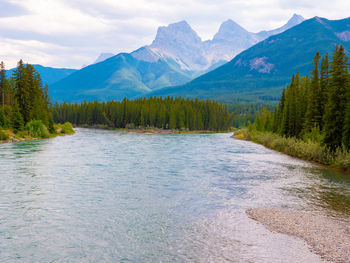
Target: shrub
(342, 159)
(3, 136)
(37, 129)
(314, 135)
(66, 128)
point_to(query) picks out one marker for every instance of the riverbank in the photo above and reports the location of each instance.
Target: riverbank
(326, 236)
(167, 131)
(152, 130)
(309, 151)
(8, 135)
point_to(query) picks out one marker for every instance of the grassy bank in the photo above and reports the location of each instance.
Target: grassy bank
(306, 150)
(34, 130)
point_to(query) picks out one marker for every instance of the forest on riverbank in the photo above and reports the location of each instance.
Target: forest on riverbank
(312, 120)
(163, 113)
(25, 108)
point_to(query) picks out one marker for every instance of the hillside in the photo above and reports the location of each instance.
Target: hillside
(117, 77)
(260, 72)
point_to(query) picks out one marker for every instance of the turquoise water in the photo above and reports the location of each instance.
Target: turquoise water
(110, 196)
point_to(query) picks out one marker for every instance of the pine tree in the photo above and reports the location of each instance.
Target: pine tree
(335, 107)
(277, 126)
(324, 79)
(3, 82)
(17, 119)
(313, 113)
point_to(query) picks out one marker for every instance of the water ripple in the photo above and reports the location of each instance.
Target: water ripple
(109, 196)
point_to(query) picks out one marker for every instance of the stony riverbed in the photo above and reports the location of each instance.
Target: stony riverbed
(326, 236)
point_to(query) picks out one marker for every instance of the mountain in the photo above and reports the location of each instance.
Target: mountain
(230, 40)
(180, 43)
(49, 75)
(117, 77)
(295, 20)
(103, 56)
(176, 56)
(260, 72)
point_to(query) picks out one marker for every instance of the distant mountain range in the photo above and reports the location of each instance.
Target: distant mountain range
(49, 75)
(181, 43)
(176, 56)
(260, 72)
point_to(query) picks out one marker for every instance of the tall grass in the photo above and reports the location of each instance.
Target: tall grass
(307, 150)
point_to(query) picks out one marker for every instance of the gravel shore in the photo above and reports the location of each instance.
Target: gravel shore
(326, 236)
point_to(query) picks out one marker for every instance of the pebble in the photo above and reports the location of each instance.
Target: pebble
(325, 236)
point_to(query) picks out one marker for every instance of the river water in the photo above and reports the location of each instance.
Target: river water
(111, 196)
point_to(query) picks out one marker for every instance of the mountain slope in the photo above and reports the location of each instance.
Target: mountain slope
(49, 75)
(178, 42)
(115, 78)
(293, 21)
(260, 72)
(181, 43)
(176, 56)
(102, 57)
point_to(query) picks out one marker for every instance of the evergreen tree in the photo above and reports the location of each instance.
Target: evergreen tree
(277, 126)
(314, 108)
(337, 93)
(324, 78)
(167, 113)
(17, 119)
(3, 82)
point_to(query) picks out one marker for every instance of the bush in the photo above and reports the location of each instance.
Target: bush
(37, 129)
(314, 135)
(4, 136)
(342, 159)
(66, 128)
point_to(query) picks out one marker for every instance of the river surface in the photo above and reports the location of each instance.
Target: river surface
(110, 196)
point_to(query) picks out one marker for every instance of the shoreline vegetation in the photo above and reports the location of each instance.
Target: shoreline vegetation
(35, 133)
(153, 130)
(25, 107)
(325, 236)
(304, 150)
(312, 120)
(161, 114)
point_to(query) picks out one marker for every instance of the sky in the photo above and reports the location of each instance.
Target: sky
(72, 33)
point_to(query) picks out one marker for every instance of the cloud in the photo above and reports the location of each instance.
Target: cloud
(70, 33)
(8, 9)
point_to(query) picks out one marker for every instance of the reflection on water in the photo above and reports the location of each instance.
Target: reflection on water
(113, 196)
(325, 190)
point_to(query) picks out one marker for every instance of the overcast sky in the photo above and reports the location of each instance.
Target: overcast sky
(72, 33)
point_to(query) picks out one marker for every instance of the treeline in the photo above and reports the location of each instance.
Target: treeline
(23, 99)
(316, 107)
(164, 113)
(245, 113)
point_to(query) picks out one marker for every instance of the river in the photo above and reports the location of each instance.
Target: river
(111, 196)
